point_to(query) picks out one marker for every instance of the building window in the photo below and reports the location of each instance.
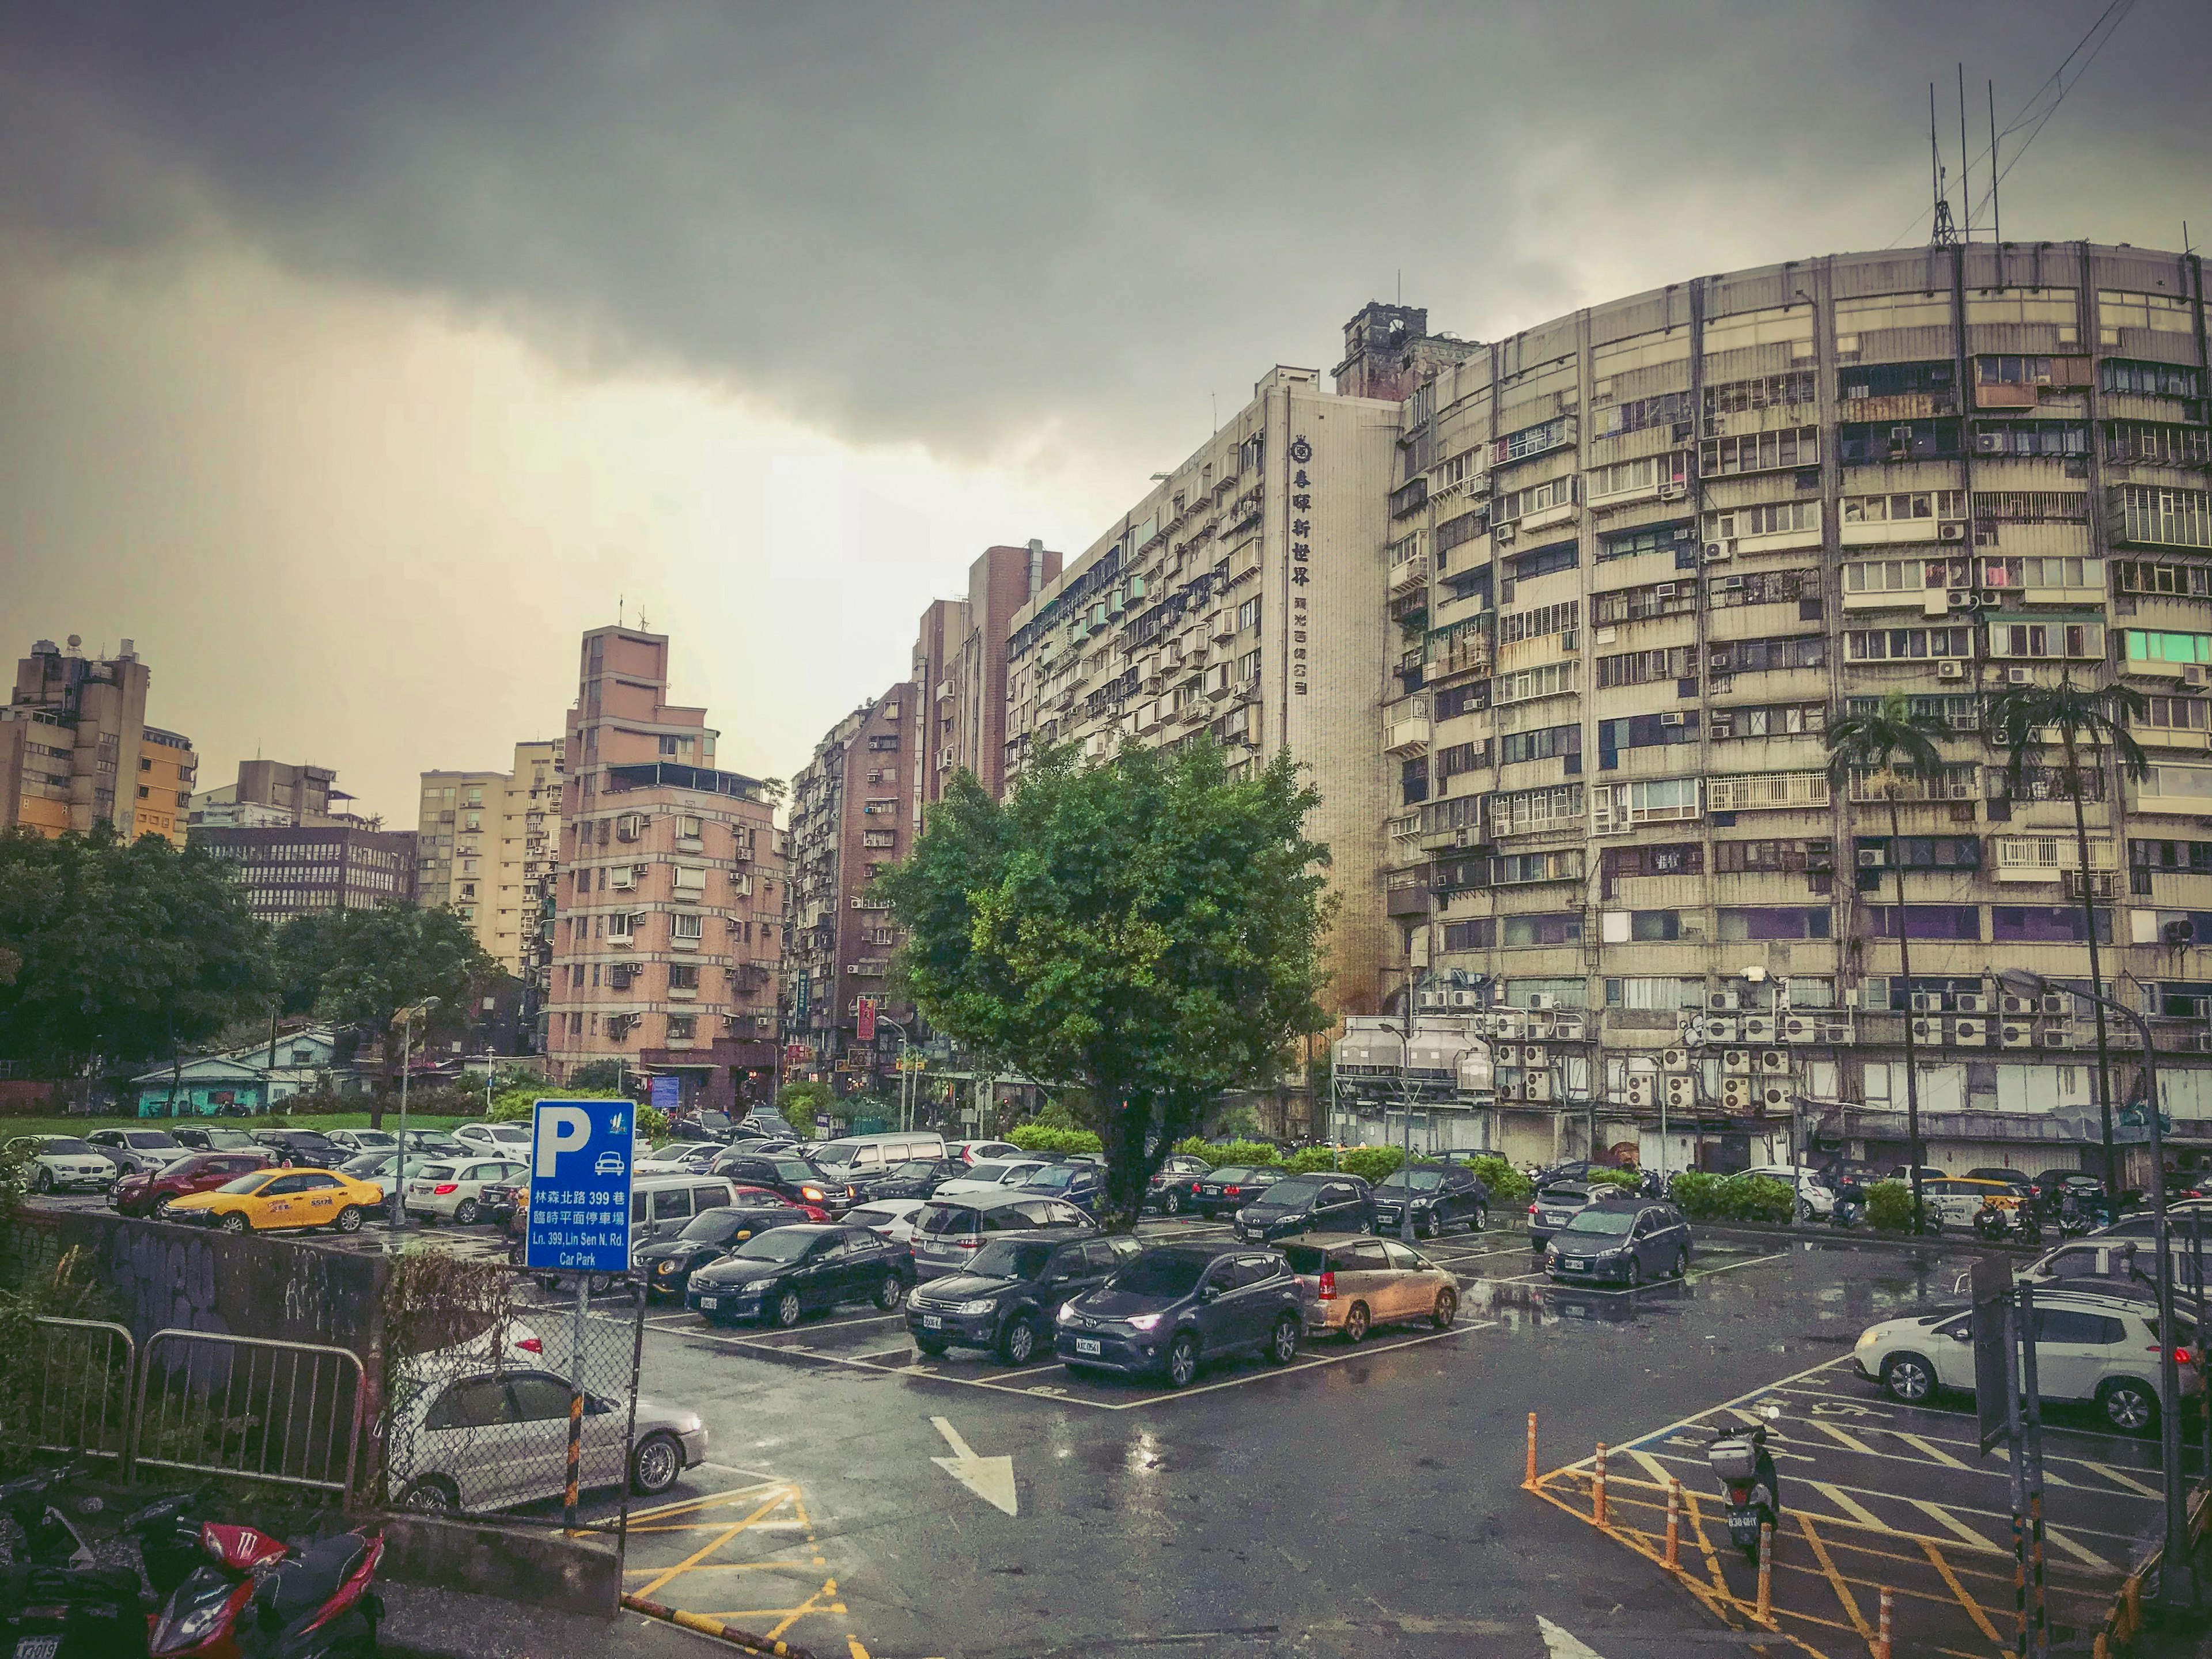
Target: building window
(1479, 934)
(1542, 928)
(2056, 924)
(1907, 644)
(686, 924)
(1772, 922)
(1933, 921)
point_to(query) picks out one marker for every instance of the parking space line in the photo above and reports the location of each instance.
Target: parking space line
(1365, 1351)
(2113, 1474)
(720, 1539)
(1850, 1505)
(1920, 1443)
(1951, 1524)
(1965, 1599)
(1835, 1579)
(2088, 1557)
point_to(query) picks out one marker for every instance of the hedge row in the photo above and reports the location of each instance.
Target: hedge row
(1038, 1138)
(1705, 1197)
(1375, 1164)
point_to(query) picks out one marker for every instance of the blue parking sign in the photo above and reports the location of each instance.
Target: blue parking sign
(580, 1159)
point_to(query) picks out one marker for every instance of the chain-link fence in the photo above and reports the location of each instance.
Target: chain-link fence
(488, 1384)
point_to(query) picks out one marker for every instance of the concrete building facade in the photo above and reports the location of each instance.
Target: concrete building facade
(669, 908)
(75, 750)
(964, 677)
(1240, 600)
(313, 869)
(1640, 556)
(487, 843)
(852, 814)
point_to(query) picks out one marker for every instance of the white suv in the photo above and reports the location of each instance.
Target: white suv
(2103, 1348)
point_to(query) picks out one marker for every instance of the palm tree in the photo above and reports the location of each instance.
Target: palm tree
(2084, 721)
(1898, 746)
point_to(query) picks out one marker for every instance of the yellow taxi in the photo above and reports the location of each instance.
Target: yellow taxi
(271, 1200)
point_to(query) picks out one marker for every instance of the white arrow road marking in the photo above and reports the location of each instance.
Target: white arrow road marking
(991, 1479)
(1563, 1644)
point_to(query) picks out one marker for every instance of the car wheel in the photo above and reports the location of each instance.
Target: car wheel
(1682, 1262)
(932, 1346)
(2128, 1406)
(1172, 1204)
(431, 1494)
(1283, 1341)
(655, 1464)
(1447, 1310)
(348, 1219)
(1804, 1209)
(1183, 1360)
(788, 1310)
(1355, 1322)
(1908, 1377)
(162, 1207)
(1480, 1220)
(1017, 1341)
(233, 1222)
(468, 1212)
(44, 1180)
(1635, 1270)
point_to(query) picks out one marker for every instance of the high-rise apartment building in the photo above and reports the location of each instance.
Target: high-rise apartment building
(269, 794)
(669, 902)
(75, 750)
(1240, 600)
(960, 668)
(313, 869)
(852, 814)
(1640, 557)
(486, 844)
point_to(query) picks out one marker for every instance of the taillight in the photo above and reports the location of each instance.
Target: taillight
(1230, 1192)
(446, 1187)
(531, 1344)
(968, 1244)
(1532, 1209)
(2181, 1355)
(1328, 1286)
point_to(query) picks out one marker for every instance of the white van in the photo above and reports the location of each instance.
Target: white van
(857, 1156)
(658, 1204)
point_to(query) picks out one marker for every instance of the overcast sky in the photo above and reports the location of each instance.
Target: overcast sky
(355, 359)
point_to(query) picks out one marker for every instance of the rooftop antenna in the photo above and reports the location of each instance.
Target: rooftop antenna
(1216, 398)
(1996, 211)
(1966, 165)
(619, 611)
(1945, 232)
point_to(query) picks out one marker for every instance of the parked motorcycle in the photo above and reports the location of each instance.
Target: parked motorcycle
(1849, 1208)
(253, 1595)
(1745, 1468)
(54, 1602)
(45, 1536)
(1994, 1223)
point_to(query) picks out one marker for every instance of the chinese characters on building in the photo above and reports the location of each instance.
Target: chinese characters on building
(1301, 557)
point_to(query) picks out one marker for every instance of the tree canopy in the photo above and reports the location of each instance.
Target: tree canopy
(122, 952)
(1146, 930)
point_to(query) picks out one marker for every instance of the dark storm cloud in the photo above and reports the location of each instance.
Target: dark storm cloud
(979, 229)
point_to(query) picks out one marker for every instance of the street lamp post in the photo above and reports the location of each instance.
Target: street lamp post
(2176, 1565)
(904, 1046)
(405, 1019)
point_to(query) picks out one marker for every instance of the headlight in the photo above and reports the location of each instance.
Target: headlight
(664, 1266)
(1145, 1321)
(1868, 1338)
(811, 1194)
(1065, 1315)
(982, 1306)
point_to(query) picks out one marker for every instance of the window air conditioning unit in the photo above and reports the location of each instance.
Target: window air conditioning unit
(1926, 1002)
(1871, 858)
(1795, 1029)
(1673, 492)
(1756, 1028)
(1664, 590)
(1950, 669)
(1951, 532)
(622, 880)
(1467, 999)
(1720, 1031)
(2058, 1002)
(1928, 1030)
(1773, 1062)
(1503, 536)
(1674, 1059)
(2195, 674)
(1970, 1033)
(1541, 1002)
(1968, 1002)
(1723, 1001)
(2019, 1005)
(1736, 1063)
(2017, 1036)
(1959, 601)
(1729, 585)
(1716, 551)
(1989, 443)
(2017, 676)
(1567, 1027)
(1672, 720)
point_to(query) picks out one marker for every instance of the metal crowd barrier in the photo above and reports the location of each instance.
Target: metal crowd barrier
(84, 1395)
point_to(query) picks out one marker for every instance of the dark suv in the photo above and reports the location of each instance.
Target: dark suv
(300, 1149)
(1005, 1299)
(1176, 1306)
(795, 1177)
(1442, 1193)
(1324, 1202)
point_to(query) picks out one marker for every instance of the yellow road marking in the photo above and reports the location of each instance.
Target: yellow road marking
(1920, 1443)
(1944, 1518)
(2090, 1557)
(2124, 1479)
(1850, 1441)
(685, 1506)
(1974, 1608)
(708, 1549)
(1835, 1579)
(829, 1588)
(1849, 1505)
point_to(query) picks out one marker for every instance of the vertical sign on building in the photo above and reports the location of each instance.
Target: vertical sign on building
(864, 1027)
(667, 1093)
(1301, 557)
(580, 1159)
(800, 988)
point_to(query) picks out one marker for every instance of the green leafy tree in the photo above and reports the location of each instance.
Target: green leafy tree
(2066, 730)
(602, 1077)
(124, 951)
(801, 1103)
(1146, 930)
(363, 967)
(1895, 748)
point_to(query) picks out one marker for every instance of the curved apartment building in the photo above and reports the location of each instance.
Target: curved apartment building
(1638, 558)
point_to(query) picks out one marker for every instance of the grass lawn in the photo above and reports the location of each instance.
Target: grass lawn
(12, 1126)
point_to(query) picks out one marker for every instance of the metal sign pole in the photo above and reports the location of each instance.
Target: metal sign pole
(2197, 1263)
(576, 1397)
(629, 1432)
(2015, 1437)
(2030, 1453)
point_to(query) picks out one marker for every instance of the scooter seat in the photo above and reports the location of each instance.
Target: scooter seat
(301, 1585)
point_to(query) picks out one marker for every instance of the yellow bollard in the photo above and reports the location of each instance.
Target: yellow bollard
(1529, 1480)
(1765, 1614)
(1597, 1487)
(1881, 1649)
(1673, 1525)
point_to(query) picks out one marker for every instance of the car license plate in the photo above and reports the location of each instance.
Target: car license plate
(1087, 1345)
(1576, 1263)
(710, 1302)
(932, 1322)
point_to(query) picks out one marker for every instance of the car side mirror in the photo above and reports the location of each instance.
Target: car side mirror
(1208, 1292)
(1965, 1335)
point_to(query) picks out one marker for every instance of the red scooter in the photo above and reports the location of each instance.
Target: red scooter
(257, 1596)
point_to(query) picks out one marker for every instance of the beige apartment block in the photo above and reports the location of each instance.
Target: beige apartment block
(1240, 600)
(1640, 557)
(75, 750)
(669, 896)
(485, 845)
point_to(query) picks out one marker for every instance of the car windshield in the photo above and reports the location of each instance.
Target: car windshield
(229, 1139)
(368, 1164)
(1606, 1223)
(63, 1147)
(712, 1226)
(1295, 1191)
(1052, 1178)
(838, 1151)
(1419, 1180)
(1232, 1174)
(374, 1138)
(245, 1184)
(987, 1170)
(783, 1245)
(1007, 1258)
(1161, 1275)
(793, 1168)
(940, 1218)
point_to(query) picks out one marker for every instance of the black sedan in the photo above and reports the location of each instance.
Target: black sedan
(1324, 1202)
(1442, 1195)
(1231, 1188)
(301, 1148)
(782, 1275)
(917, 1179)
(1006, 1297)
(794, 1177)
(667, 1264)
(1174, 1186)
(1178, 1305)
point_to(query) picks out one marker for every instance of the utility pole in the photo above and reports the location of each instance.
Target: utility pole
(406, 1018)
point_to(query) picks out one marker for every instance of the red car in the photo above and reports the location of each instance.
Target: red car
(142, 1195)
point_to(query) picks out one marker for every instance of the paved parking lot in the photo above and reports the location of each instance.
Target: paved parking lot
(1875, 1493)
